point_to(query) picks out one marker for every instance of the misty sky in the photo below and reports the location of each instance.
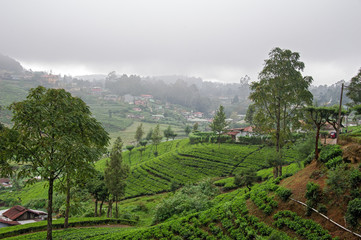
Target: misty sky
(214, 40)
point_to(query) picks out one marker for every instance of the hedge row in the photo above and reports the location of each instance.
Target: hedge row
(57, 224)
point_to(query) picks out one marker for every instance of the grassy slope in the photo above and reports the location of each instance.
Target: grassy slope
(231, 217)
(11, 91)
(178, 161)
(191, 163)
(127, 135)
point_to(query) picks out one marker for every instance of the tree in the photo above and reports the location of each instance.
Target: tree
(73, 176)
(115, 175)
(156, 137)
(149, 135)
(130, 148)
(1, 125)
(96, 187)
(195, 127)
(235, 100)
(324, 134)
(354, 89)
(168, 133)
(333, 116)
(357, 109)
(139, 133)
(187, 130)
(173, 135)
(53, 129)
(319, 116)
(279, 95)
(246, 178)
(219, 123)
(250, 113)
(143, 143)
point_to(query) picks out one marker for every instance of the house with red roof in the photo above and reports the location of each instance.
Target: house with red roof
(19, 213)
(5, 182)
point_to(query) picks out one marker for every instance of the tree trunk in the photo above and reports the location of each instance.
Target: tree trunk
(317, 137)
(116, 207)
(96, 208)
(49, 229)
(278, 136)
(280, 170)
(67, 205)
(275, 171)
(109, 214)
(101, 208)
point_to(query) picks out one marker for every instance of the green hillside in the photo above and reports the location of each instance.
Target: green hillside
(183, 163)
(177, 161)
(229, 218)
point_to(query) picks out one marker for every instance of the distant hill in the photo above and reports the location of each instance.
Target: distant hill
(9, 64)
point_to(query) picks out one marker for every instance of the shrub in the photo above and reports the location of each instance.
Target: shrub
(253, 140)
(246, 178)
(355, 178)
(229, 186)
(309, 158)
(353, 212)
(322, 209)
(313, 194)
(174, 185)
(306, 148)
(338, 180)
(334, 162)
(189, 199)
(329, 152)
(141, 207)
(283, 193)
(355, 193)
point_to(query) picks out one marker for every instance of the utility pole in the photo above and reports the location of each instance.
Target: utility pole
(339, 117)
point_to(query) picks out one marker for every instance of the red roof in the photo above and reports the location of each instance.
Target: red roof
(12, 223)
(248, 129)
(232, 133)
(16, 211)
(4, 180)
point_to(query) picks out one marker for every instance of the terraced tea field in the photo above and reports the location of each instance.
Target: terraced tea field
(191, 163)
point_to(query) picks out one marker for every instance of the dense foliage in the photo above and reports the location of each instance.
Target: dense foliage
(190, 199)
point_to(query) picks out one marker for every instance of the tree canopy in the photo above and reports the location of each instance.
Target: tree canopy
(116, 172)
(139, 133)
(354, 89)
(219, 123)
(156, 136)
(52, 133)
(279, 95)
(319, 116)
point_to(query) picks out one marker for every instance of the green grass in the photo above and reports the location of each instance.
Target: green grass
(128, 134)
(193, 163)
(74, 233)
(144, 207)
(177, 161)
(73, 222)
(228, 218)
(27, 194)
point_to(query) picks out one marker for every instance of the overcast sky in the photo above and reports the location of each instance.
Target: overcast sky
(214, 40)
